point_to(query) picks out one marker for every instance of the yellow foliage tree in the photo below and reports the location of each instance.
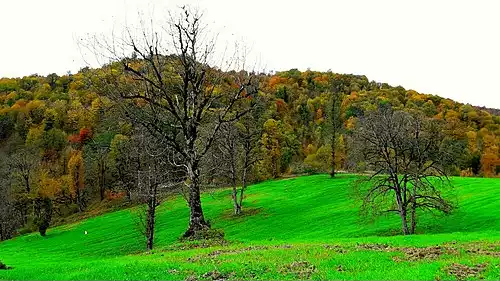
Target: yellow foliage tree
(76, 177)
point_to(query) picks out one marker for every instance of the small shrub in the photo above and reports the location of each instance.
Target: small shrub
(3, 266)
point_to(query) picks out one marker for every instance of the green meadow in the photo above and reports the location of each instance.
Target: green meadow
(299, 228)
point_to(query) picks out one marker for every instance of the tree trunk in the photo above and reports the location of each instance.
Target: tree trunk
(413, 218)
(243, 186)
(404, 222)
(332, 173)
(27, 182)
(235, 200)
(196, 219)
(102, 179)
(334, 121)
(150, 231)
(77, 186)
(402, 213)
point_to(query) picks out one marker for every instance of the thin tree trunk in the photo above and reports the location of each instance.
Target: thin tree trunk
(102, 180)
(237, 208)
(404, 222)
(243, 186)
(413, 218)
(402, 213)
(151, 218)
(77, 186)
(27, 182)
(235, 191)
(332, 172)
(236, 205)
(334, 120)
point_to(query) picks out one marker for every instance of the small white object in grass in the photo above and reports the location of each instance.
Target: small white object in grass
(86, 232)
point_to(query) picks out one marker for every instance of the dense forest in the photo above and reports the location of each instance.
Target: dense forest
(64, 143)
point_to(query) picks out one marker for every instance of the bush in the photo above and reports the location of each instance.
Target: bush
(3, 266)
(43, 207)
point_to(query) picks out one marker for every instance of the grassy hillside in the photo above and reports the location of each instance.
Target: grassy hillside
(299, 228)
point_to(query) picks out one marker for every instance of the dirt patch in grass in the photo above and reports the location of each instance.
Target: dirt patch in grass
(411, 253)
(216, 275)
(301, 269)
(483, 249)
(462, 271)
(434, 252)
(416, 254)
(336, 248)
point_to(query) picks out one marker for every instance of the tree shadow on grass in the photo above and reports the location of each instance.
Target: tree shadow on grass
(245, 212)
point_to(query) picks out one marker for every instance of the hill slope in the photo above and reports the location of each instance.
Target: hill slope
(282, 237)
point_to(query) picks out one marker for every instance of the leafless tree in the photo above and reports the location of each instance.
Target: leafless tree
(23, 165)
(236, 151)
(229, 154)
(158, 177)
(97, 156)
(249, 133)
(410, 159)
(175, 93)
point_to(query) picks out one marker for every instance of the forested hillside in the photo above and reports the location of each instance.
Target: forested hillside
(65, 144)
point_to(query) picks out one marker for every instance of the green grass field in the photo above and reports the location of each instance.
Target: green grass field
(300, 228)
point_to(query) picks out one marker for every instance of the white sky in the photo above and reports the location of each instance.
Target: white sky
(449, 48)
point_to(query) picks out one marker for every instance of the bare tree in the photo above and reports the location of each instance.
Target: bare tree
(159, 177)
(124, 162)
(229, 152)
(23, 164)
(97, 152)
(175, 94)
(249, 132)
(410, 159)
(236, 152)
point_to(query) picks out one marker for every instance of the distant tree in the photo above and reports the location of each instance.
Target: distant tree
(43, 214)
(23, 166)
(410, 159)
(123, 161)
(336, 121)
(6, 126)
(77, 177)
(97, 151)
(271, 141)
(9, 218)
(229, 152)
(249, 133)
(158, 176)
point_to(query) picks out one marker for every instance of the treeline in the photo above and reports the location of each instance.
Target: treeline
(64, 143)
